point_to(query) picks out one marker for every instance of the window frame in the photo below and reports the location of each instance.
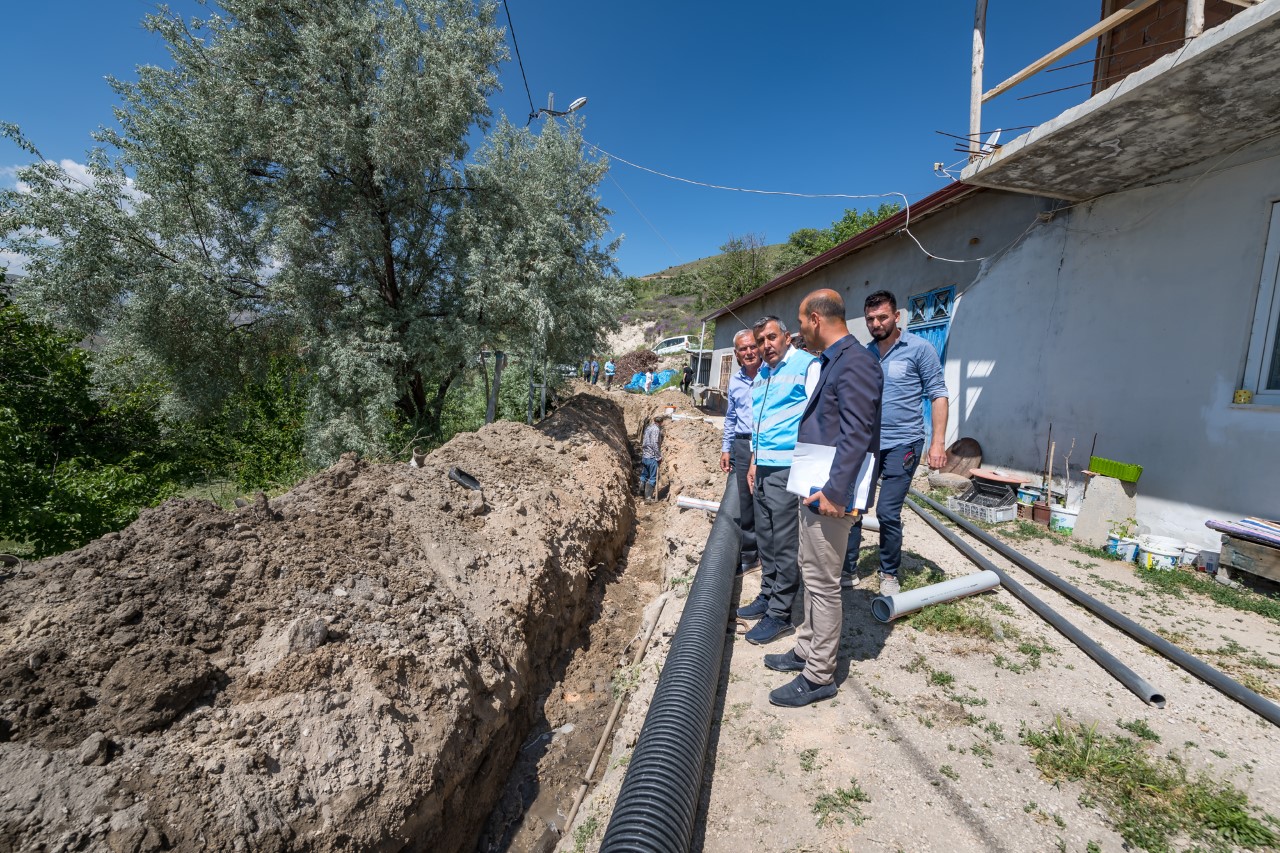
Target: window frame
(1264, 337)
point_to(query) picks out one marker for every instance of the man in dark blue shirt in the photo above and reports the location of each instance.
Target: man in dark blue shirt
(912, 374)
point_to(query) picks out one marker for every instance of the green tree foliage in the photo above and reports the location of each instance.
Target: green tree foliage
(742, 266)
(807, 243)
(298, 181)
(71, 467)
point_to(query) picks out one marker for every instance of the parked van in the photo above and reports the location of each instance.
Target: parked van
(668, 346)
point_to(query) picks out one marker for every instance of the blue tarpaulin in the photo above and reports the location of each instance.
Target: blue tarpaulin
(659, 379)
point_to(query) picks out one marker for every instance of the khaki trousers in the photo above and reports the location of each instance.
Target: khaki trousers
(822, 545)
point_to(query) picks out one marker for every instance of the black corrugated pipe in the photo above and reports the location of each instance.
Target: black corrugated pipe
(658, 802)
(1101, 656)
(1201, 670)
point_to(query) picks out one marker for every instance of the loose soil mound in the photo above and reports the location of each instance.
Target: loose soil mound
(349, 666)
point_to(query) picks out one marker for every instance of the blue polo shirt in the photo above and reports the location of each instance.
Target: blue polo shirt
(912, 374)
(737, 417)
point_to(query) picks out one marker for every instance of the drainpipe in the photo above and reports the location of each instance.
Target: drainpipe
(658, 803)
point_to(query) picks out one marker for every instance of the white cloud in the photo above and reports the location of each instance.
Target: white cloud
(77, 171)
(13, 263)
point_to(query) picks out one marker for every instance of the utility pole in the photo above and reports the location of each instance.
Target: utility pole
(975, 78)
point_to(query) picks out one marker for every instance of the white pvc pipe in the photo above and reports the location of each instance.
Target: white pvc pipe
(697, 503)
(886, 608)
(869, 522)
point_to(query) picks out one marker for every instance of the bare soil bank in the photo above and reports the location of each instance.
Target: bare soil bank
(352, 666)
(531, 815)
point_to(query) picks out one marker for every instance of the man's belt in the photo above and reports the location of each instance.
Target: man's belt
(744, 435)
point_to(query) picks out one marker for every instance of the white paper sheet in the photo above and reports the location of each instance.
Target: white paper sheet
(811, 469)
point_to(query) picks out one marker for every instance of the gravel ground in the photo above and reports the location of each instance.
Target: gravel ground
(926, 745)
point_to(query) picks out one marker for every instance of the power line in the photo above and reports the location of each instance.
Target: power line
(906, 203)
(533, 112)
(646, 219)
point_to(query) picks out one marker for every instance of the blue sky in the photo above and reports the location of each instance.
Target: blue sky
(800, 97)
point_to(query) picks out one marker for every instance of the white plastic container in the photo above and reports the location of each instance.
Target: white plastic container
(1189, 554)
(1159, 552)
(1063, 518)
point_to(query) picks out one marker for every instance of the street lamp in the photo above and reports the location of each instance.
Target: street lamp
(550, 110)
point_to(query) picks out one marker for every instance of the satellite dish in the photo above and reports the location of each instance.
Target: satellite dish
(987, 147)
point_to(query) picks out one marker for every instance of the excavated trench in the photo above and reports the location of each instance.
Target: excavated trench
(589, 677)
(381, 659)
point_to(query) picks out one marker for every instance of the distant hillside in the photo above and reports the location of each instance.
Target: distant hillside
(690, 268)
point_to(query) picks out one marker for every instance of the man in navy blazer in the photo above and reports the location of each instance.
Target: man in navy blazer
(843, 412)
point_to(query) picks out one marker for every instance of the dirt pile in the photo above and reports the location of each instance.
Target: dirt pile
(352, 665)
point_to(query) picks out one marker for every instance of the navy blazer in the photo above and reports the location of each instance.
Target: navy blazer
(844, 412)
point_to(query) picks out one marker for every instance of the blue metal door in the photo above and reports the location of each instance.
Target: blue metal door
(929, 316)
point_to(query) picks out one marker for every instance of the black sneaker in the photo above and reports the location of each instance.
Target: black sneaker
(800, 692)
(785, 662)
(755, 609)
(768, 629)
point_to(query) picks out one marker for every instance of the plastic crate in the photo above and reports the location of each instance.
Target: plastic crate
(985, 514)
(1122, 471)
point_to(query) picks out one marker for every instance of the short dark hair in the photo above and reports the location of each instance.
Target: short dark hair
(879, 298)
(758, 325)
(829, 306)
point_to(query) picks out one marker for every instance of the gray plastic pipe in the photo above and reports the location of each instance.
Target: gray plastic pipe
(1118, 670)
(1201, 670)
(886, 608)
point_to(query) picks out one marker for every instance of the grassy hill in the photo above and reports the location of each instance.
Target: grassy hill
(692, 267)
(663, 302)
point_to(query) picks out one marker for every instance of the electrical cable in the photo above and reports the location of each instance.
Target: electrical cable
(906, 204)
(533, 112)
(645, 218)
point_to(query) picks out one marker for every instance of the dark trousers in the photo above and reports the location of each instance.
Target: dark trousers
(897, 466)
(608, 381)
(777, 540)
(740, 461)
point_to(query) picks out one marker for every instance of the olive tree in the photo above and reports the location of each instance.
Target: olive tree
(300, 178)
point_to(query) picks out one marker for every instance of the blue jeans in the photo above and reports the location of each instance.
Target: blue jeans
(649, 471)
(897, 467)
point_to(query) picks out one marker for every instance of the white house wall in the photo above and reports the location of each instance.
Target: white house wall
(1129, 317)
(993, 219)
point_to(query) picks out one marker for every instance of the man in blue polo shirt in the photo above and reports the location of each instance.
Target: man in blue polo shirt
(912, 374)
(778, 397)
(735, 449)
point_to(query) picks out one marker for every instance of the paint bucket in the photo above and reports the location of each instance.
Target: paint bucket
(1040, 513)
(1159, 552)
(1127, 549)
(1189, 554)
(1028, 495)
(1063, 518)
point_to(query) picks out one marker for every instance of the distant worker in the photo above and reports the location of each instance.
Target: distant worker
(609, 369)
(648, 380)
(843, 413)
(595, 370)
(912, 374)
(687, 380)
(735, 448)
(650, 456)
(778, 396)
(586, 369)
